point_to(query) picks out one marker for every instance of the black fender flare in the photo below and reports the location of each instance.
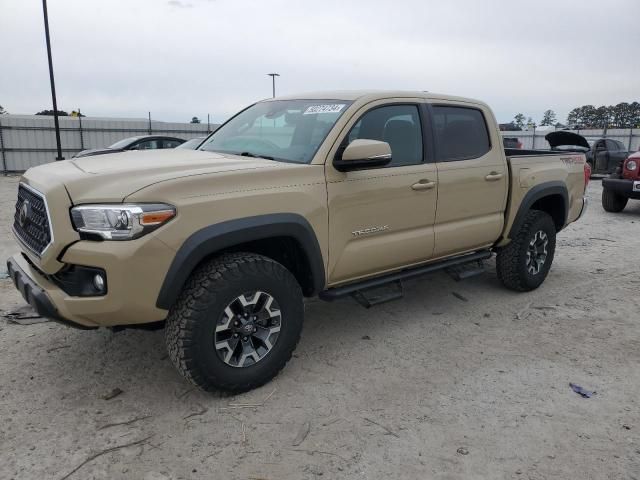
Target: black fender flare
(536, 193)
(220, 236)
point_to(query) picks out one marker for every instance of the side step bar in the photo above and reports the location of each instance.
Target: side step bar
(339, 292)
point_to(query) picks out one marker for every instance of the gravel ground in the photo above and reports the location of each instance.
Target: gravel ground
(457, 380)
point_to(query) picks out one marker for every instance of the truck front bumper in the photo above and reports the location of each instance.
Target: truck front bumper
(133, 273)
(622, 186)
(35, 296)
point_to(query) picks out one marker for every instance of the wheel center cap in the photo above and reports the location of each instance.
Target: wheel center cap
(247, 328)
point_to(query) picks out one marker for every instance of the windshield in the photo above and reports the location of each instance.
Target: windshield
(123, 143)
(285, 130)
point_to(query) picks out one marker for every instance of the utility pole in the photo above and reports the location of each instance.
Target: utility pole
(273, 82)
(53, 84)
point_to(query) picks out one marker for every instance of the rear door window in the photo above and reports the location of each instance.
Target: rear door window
(460, 133)
(170, 143)
(146, 145)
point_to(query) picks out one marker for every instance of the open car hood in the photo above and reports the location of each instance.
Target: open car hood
(564, 138)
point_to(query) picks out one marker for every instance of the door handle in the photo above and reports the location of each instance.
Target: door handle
(423, 184)
(493, 176)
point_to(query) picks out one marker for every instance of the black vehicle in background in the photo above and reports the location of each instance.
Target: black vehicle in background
(604, 155)
(607, 155)
(147, 142)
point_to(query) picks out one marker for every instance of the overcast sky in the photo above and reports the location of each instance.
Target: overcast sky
(180, 58)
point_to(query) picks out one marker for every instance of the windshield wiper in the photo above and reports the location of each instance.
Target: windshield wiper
(253, 155)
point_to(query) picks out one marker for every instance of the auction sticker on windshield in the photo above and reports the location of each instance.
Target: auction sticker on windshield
(328, 108)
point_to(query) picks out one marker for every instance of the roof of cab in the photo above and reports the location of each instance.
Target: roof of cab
(370, 95)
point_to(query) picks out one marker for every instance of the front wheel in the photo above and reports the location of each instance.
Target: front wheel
(236, 323)
(525, 262)
(612, 202)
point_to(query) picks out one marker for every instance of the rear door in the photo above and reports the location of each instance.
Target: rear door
(381, 219)
(472, 178)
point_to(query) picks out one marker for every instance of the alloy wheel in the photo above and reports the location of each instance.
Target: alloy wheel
(248, 329)
(537, 252)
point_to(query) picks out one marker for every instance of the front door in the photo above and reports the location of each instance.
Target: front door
(472, 179)
(382, 219)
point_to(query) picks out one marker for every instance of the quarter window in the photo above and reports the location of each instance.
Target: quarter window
(399, 126)
(460, 133)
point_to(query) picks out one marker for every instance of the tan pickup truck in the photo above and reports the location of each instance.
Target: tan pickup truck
(325, 194)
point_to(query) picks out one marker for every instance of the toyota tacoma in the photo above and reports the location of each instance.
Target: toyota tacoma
(326, 194)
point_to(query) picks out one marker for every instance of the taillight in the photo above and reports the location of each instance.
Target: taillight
(587, 174)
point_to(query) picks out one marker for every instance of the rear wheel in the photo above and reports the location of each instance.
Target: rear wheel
(613, 202)
(525, 262)
(236, 323)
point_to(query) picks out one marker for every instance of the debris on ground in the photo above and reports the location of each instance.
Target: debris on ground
(126, 422)
(463, 451)
(386, 429)
(104, 452)
(302, 434)
(24, 315)
(581, 391)
(366, 337)
(112, 394)
(4, 275)
(459, 296)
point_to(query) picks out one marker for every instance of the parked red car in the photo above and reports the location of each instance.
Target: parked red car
(622, 185)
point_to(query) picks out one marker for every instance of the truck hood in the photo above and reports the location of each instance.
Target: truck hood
(564, 138)
(112, 177)
(97, 151)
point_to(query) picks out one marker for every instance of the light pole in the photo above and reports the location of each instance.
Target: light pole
(53, 85)
(273, 82)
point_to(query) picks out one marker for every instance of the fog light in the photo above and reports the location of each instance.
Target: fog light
(98, 282)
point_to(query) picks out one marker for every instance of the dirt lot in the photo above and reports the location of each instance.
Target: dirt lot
(458, 380)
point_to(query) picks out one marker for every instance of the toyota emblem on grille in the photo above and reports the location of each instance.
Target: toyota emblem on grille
(25, 213)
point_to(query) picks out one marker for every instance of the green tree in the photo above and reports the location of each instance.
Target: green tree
(601, 117)
(574, 118)
(195, 120)
(531, 123)
(548, 118)
(518, 121)
(2, 110)
(61, 113)
(634, 115)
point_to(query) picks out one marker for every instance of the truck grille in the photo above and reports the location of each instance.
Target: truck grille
(31, 220)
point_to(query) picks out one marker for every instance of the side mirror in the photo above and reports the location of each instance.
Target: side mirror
(363, 153)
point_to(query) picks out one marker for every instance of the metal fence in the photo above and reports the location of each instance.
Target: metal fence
(534, 138)
(29, 140)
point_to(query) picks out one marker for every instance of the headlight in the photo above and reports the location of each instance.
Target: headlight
(631, 165)
(121, 222)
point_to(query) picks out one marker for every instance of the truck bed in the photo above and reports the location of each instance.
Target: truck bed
(531, 169)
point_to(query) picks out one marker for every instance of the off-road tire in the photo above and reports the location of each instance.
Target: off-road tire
(190, 326)
(612, 202)
(511, 261)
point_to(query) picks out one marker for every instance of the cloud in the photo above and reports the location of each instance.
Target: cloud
(179, 62)
(179, 4)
